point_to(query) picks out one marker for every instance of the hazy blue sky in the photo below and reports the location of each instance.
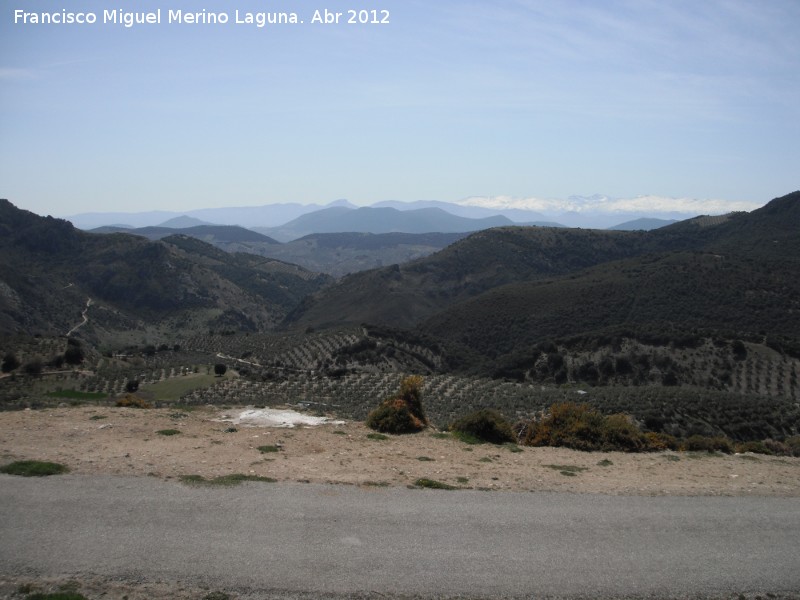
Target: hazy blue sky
(450, 100)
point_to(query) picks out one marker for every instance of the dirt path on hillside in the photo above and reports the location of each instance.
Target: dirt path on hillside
(125, 441)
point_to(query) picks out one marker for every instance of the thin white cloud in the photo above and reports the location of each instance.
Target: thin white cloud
(7, 74)
(603, 204)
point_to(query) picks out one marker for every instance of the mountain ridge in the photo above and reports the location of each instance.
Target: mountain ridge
(408, 295)
(379, 220)
(593, 212)
(48, 269)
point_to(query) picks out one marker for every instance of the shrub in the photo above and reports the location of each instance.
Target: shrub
(658, 442)
(488, 425)
(619, 432)
(754, 447)
(33, 468)
(10, 362)
(33, 367)
(73, 355)
(581, 427)
(401, 413)
(131, 401)
(779, 448)
(700, 443)
(394, 416)
(794, 445)
(411, 394)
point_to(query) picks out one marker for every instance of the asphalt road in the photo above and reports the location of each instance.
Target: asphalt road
(342, 540)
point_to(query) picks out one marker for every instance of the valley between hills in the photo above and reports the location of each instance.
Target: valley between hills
(691, 330)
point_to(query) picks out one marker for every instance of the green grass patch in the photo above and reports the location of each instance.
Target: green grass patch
(749, 457)
(168, 432)
(376, 483)
(512, 447)
(339, 432)
(425, 458)
(56, 596)
(567, 470)
(268, 449)
(171, 390)
(701, 454)
(433, 484)
(77, 395)
(605, 463)
(672, 457)
(33, 468)
(441, 435)
(97, 417)
(224, 480)
(462, 480)
(467, 438)
(377, 436)
(486, 459)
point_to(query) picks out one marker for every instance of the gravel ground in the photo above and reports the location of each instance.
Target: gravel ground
(125, 441)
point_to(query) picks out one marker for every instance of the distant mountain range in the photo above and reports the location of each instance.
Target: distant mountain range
(380, 220)
(268, 215)
(285, 222)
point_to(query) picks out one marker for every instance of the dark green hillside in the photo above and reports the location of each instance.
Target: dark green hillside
(671, 295)
(49, 271)
(376, 241)
(404, 296)
(340, 254)
(213, 234)
(643, 224)
(666, 307)
(486, 260)
(42, 236)
(743, 285)
(771, 231)
(335, 254)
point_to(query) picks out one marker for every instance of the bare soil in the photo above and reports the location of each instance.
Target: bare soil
(125, 441)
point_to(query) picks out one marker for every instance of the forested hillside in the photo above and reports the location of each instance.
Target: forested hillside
(496, 296)
(49, 271)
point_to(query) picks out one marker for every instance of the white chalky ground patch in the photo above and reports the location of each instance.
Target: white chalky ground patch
(273, 417)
